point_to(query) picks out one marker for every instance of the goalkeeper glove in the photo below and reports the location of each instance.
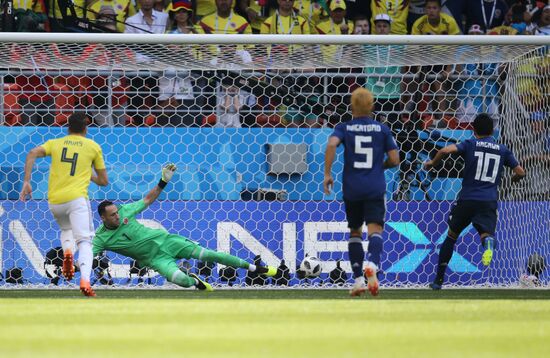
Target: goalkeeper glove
(167, 173)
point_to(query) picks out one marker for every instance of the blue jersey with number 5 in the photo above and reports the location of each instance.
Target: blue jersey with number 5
(484, 160)
(366, 141)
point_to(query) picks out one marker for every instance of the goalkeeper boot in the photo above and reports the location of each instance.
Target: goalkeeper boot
(86, 289)
(269, 271)
(68, 267)
(487, 256)
(435, 286)
(372, 279)
(201, 284)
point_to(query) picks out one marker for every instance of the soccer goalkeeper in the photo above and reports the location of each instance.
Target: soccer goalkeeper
(158, 249)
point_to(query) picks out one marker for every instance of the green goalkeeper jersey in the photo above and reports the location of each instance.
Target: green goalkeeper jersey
(131, 238)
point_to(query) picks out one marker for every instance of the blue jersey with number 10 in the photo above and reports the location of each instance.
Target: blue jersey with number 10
(484, 160)
(366, 142)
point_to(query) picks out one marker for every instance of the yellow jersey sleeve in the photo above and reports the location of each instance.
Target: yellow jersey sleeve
(452, 25)
(71, 167)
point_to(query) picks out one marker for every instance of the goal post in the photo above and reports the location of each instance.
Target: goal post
(246, 119)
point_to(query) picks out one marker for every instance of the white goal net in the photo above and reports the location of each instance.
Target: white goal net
(246, 119)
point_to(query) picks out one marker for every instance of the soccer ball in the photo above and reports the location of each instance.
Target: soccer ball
(311, 266)
(528, 281)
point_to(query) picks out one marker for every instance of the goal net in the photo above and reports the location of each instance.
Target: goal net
(246, 120)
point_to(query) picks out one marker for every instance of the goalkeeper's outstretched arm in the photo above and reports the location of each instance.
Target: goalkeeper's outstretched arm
(167, 173)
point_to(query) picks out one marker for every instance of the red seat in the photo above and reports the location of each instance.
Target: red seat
(65, 102)
(12, 108)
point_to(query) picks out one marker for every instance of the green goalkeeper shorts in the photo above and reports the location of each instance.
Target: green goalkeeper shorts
(174, 247)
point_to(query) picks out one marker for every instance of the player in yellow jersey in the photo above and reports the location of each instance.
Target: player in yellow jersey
(72, 160)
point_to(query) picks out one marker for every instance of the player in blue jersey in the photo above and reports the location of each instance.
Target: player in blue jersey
(476, 203)
(366, 143)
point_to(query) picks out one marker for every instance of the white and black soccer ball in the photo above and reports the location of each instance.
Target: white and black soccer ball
(528, 281)
(311, 266)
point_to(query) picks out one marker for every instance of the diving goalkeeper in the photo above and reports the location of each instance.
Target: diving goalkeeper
(158, 249)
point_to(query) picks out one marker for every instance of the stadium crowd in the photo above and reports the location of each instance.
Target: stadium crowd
(445, 96)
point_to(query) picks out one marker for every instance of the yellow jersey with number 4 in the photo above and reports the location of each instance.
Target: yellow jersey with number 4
(71, 169)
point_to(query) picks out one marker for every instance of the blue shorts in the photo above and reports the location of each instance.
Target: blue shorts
(481, 214)
(365, 211)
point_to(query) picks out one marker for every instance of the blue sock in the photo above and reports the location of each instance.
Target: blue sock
(375, 248)
(445, 254)
(356, 256)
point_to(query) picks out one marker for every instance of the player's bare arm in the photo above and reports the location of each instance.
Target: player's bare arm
(519, 173)
(441, 154)
(167, 173)
(330, 153)
(393, 159)
(26, 190)
(100, 177)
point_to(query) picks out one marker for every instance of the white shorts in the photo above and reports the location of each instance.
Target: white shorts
(75, 215)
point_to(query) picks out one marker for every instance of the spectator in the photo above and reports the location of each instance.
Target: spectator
(106, 18)
(159, 6)
(257, 11)
(284, 21)
(229, 104)
(541, 22)
(397, 10)
(338, 276)
(455, 8)
(58, 8)
(203, 8)
(487, 13)
(336, 25)
(147, 20)
(384, 81)
(30, 16)
(361, 25)
(122, 9)
(514, 22)
(176, 90)
(180, 13)
(434, 23)
(479, 92)
(224, 20)
(314, 11)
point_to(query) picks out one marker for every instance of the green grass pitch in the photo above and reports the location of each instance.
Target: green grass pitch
(275, 323)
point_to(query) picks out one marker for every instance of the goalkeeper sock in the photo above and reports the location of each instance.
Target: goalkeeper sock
(181, 279)
(375, 249)
(356, 255)
(445, 254)
(220, 257)
(85, 259)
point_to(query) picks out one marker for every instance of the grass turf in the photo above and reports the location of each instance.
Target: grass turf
(262, 323)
